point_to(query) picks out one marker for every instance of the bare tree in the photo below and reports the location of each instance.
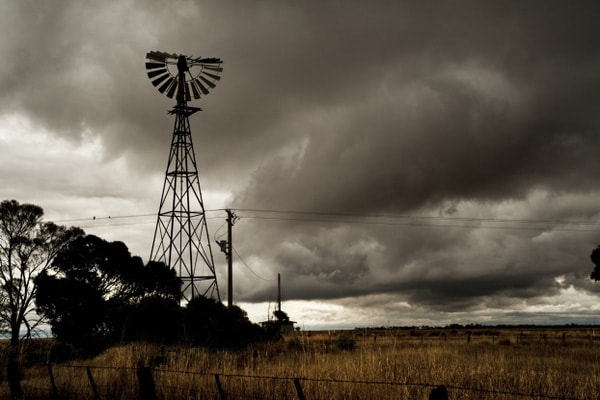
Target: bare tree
(27, 247)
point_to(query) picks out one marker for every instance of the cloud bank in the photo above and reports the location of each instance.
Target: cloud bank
(446, 151)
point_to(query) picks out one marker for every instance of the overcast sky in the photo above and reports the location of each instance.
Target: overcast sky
(399, 163)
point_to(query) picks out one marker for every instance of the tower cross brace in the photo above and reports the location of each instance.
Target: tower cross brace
(181, 238)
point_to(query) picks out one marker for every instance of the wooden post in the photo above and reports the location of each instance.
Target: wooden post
(220, 388)
(52, 382)
(439, 393)
(299, 390)
(146, 382)
(92, 383)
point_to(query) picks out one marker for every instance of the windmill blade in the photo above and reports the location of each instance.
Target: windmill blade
(201, 86)
(158, 80)
(156, 72)
(215, 77)
(166, 85)
(213, 68)
(163, 78)
(156, 56)
(209, 83)
(195, 90)
(153, 65)
(172, 89)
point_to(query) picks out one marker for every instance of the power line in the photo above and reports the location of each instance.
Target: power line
(116, 224)
(94, 218)
(419, 217)
(250, 269)
(421, 224)
(379, 219)
(425, 221)
(215, 235)
(107, 221)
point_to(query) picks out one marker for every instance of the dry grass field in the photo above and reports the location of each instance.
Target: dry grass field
(559, 363)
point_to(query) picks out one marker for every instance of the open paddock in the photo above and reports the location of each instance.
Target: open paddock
(395, 363)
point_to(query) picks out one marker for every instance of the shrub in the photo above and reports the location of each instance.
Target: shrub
(345, 342)
(210, 324)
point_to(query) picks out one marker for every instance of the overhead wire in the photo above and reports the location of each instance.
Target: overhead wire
(215, 235)
(422, 221)
(419, 217)
(94, 218)
(108, 220)
(408, 220)
(250, 269)
(421, 224)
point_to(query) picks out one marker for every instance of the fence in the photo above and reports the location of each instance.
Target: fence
(508, 336)
(64, 382)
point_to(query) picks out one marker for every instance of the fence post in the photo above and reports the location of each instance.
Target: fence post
(146, 382)
(52, 382)
(439, 393)
(92, 383)
(299, 390)
(220, 388)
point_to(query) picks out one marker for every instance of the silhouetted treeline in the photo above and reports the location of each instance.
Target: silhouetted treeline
(96, 294)
(478, 326)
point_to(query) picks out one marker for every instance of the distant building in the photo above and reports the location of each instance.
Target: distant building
(281, 324)
(277, 327)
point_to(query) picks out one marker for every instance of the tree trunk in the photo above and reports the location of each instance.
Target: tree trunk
(13, 373)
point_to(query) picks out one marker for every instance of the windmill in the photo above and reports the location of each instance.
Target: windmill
(181, 238)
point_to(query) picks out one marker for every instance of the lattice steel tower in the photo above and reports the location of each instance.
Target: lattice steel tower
(181, 238)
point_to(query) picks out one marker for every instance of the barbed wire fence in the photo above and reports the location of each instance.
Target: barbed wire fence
(74, 382)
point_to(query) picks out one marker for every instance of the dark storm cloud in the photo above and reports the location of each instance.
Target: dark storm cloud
(458, 141)
(443, 269)
(387, 94)
(483, 103)
(444, 108)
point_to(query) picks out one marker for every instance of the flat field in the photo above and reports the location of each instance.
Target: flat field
(482, 363)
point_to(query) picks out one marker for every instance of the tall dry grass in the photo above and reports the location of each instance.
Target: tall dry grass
(494, 366)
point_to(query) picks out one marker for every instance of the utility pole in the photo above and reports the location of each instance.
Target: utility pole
(278, 292)
(227, 248)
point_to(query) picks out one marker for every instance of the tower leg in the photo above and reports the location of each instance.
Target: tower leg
(181, 238)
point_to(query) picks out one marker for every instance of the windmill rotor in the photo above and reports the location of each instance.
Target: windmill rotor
(188, 77)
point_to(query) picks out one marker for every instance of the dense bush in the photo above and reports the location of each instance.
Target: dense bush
(345, 342)
(154, 319)
(211, 324)
(97, 294)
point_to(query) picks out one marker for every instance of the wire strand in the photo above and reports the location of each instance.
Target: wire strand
(250, 269)
(374, 219)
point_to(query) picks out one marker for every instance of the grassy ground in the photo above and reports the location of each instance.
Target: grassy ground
(406, 364)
